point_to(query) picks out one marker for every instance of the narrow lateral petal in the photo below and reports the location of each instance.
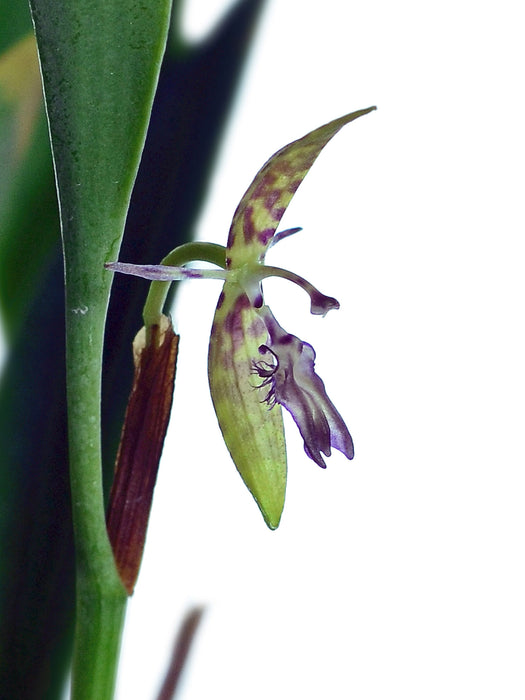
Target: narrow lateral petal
(140, 448)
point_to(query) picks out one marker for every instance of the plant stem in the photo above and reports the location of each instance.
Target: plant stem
(101, 598)
(97, 647)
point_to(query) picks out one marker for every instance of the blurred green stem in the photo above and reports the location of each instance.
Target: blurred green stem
(101, 598)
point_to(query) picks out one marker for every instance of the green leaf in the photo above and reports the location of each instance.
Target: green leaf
(100, 63)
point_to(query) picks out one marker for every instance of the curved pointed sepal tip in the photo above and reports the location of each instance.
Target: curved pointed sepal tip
(253, 432)
(265, 201)
(271, 500)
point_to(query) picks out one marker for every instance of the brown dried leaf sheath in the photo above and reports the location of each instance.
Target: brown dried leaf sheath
(140, 447)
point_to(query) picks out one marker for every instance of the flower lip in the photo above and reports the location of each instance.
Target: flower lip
(293, 383)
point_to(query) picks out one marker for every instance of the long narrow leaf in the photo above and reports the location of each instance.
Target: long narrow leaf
(100, 63)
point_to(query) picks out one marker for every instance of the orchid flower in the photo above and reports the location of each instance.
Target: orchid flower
(254, 366)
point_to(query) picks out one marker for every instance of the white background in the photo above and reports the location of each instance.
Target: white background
(400, 574)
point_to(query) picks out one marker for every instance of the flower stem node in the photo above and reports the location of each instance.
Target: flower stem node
(255, 367)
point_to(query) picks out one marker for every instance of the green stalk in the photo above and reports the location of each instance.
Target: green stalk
(101, 597)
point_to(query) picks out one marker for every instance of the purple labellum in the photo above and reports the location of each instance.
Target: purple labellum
(288, 373)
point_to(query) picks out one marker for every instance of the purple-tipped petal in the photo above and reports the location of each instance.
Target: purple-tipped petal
(320, 304)
(280, 235)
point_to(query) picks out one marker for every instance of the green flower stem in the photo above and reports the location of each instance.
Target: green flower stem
(188, 252)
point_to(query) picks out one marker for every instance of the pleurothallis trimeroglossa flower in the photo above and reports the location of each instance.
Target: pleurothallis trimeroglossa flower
(255, 366)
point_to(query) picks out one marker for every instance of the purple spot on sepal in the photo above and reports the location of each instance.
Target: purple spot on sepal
(278, 213)
(233, 320)
(265, 236)
(220, 300)
(271, 199)
(248, 226)
(192, 274)
(283, 167)
(265, 184)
